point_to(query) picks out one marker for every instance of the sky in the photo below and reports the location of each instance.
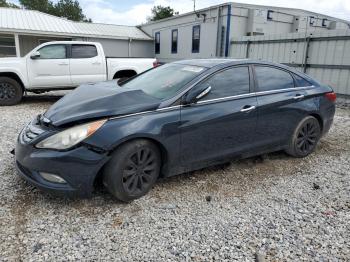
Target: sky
(135, 12)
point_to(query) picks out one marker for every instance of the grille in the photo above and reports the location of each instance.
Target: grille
(30, 132)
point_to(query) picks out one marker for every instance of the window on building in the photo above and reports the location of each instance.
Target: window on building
(157, 43)
(222, 40)
(270, 78)
(196, 34)
(269, 14)
(84, 51)
(7, 46)
(230, 82)
(174, 36)
(53, 52)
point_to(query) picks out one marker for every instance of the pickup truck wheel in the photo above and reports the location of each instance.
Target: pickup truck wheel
(11, 92)
(132, 170)
(122, 79)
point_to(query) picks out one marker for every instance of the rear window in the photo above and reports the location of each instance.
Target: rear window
(84, 51)
(271, 78)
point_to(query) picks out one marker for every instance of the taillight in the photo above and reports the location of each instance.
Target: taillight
(156, 63)
(331, 96)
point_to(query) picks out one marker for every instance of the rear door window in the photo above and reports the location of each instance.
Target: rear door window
(301, 82)
(230, 82)
(84, 51)
(271, 78)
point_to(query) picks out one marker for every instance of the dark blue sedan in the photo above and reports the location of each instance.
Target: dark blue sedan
(172, 119)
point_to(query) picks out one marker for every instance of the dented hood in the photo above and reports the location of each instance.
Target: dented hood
(92, 101)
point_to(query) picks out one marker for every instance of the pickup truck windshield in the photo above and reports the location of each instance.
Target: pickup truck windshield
(163, 82)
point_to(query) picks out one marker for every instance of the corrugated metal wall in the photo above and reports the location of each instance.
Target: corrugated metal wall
(323, 55)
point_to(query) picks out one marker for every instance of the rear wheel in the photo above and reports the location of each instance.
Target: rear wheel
(11, 92)
(132, 170)
(305, 137)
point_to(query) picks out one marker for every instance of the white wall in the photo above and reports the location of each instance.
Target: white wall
(245, 19)
(184, 25)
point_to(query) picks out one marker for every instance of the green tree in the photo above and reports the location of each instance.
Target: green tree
(4, 3)
(44, 6)
(69, 9)
(160, 12)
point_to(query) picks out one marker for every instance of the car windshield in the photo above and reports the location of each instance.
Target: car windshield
(165, 81)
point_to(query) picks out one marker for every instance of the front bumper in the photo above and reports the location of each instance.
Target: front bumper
(78, 167)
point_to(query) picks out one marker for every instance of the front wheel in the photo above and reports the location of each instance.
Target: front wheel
(11, 92)
(305, 137)
(132, 170)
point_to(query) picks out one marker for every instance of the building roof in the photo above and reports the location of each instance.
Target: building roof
(35, 22)
(292, 11)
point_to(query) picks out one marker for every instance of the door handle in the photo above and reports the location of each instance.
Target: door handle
(96, 63)
(247, 109)
(63, 64)
(298, 96)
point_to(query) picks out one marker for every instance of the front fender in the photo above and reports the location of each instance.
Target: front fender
(17, 71)
(160, 126)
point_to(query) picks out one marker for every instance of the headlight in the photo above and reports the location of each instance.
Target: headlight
(71, 136)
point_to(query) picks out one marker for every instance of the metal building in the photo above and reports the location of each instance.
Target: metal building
(22, 30)
(207, 32)
(325, 55)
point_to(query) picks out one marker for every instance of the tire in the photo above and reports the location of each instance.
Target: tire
(122, 79)
(305, 137)
(132, 170)
(11, 92)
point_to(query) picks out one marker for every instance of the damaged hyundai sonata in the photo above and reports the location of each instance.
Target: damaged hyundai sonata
(176, 118)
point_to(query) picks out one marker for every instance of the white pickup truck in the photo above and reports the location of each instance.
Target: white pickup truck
(63, 65)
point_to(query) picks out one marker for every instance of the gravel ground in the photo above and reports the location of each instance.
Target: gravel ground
(271, 208)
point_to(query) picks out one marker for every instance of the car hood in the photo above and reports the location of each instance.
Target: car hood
(92, 101)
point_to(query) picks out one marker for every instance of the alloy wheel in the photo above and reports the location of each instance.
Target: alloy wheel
(7, 91)
(307, 137)
(139, 171)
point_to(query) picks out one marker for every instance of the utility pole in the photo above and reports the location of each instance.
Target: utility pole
(194, 5)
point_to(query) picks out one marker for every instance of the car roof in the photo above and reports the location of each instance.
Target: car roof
(223, 62)
(208, 62)
(213, 62)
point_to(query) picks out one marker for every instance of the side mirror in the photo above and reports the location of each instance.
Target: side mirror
(35, 55)
(198, 93)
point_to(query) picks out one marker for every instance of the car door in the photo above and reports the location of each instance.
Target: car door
(50, 68)
(279, 105)
(223, 122)
(86, 66)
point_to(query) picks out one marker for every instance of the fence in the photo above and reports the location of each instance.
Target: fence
(322, 55)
